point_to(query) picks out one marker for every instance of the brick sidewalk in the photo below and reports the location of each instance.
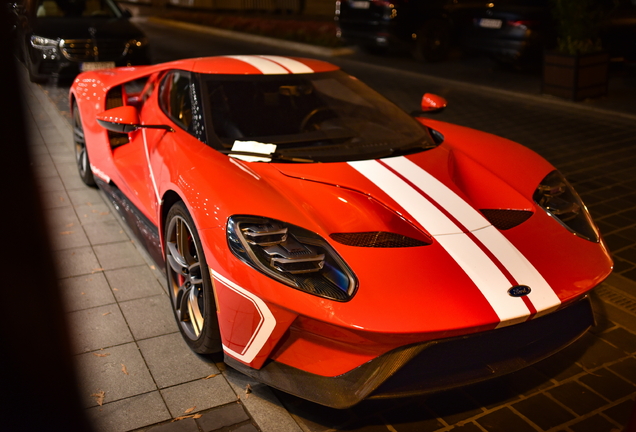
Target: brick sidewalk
(133, 366)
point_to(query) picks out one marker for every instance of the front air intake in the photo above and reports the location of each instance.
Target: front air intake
(506, 219)
(377, 239)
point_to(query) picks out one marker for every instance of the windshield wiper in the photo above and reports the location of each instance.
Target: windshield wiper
(307, 137)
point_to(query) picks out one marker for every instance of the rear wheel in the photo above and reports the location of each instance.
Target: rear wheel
(189, 283)
(81, 155)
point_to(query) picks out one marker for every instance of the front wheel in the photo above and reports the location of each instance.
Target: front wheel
(189, 283)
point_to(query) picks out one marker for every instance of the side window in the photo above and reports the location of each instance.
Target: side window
(175, 99)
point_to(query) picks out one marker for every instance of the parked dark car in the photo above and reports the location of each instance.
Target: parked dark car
(427, 27)
(510, 30)
(61, 38)
(518, 31)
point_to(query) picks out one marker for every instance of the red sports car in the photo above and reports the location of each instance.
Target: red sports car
(329, 244)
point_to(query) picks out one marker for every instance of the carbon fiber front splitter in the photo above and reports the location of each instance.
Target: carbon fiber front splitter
(434, 366)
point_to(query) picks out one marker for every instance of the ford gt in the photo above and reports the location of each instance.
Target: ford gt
(328, 243)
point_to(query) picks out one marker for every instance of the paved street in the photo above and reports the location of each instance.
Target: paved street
(137, 374)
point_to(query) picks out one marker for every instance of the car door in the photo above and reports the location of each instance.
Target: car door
(166, 101)
(131, 158)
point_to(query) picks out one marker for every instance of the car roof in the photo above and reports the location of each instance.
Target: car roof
(229, 65)
(252, 65)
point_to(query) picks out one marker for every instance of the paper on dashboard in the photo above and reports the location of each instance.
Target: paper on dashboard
(253, 147)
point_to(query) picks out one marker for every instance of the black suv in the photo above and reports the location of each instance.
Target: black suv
(61, 38)
(427, 27)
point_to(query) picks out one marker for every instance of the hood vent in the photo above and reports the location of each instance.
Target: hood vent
(506, 219)
(377, 239)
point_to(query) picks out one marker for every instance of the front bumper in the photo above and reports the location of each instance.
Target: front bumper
(436, 365)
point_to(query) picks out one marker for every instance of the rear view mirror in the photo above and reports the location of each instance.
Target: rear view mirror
(432, 103)
(121, 119)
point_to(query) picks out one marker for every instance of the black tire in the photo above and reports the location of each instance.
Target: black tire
(433, 41)
(81, 155)
(189, 284)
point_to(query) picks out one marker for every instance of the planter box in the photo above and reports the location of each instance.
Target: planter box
(575, 77)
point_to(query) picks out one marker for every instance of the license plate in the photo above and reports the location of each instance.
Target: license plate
(91, 66)
(490, 23)
(360, 4)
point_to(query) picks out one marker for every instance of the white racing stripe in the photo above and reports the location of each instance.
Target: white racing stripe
(542, 295)
(152, 174)
(99, 173)
(294, 66)
(408, 198)
(263, 330)
(439, 192)
(485, 274)
(267, 67)
(469, 255)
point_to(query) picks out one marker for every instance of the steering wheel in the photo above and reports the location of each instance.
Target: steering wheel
(313, 113)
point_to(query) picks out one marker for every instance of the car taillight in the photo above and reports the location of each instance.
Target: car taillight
(388, 4)
(524, 23)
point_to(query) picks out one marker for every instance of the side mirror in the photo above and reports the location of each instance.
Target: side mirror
(125, 119)
(432, 103)
(121, 119)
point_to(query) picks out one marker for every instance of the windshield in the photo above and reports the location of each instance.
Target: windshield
(322, 117)
(77, 8)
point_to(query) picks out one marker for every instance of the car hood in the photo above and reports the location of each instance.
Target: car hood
(440, 198)
(440, 192)
(78, 28)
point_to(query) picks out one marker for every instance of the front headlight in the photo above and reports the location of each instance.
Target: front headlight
(559, 199)
(43, 43)
(291, 255)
